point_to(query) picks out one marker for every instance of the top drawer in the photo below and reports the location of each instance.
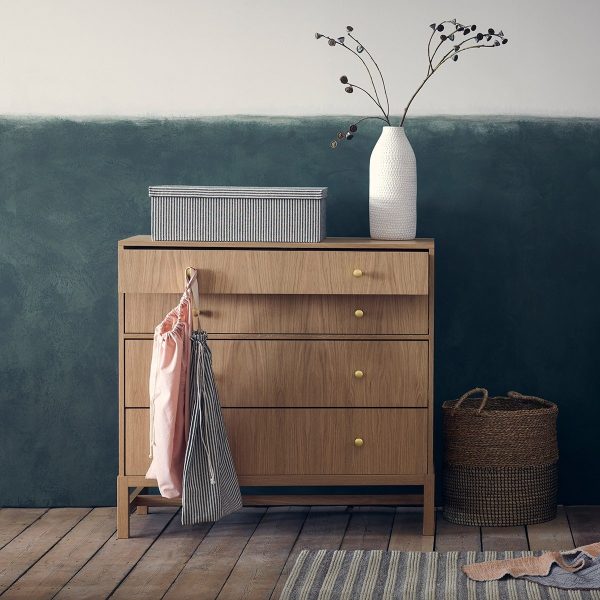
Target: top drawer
(276, 271)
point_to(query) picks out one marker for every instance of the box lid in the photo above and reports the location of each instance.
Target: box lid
(199, 191)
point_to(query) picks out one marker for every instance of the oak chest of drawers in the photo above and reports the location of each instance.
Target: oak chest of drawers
(323, 356)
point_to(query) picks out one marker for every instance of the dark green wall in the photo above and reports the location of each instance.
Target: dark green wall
(513, 205)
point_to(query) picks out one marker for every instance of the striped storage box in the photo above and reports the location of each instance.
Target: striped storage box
(238, 214)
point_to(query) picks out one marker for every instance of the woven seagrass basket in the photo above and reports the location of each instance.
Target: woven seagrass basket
(500, 459)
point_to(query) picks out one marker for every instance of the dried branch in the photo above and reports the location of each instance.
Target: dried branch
(338, 43)
(387, 100)
(353, 85)
(469, 43)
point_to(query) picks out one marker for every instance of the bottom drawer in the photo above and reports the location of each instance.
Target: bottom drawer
(314, 441)
(321, 441)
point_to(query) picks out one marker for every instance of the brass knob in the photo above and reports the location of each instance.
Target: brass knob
(357, 273)
(359, 374)
(359, 314)
(358, 442)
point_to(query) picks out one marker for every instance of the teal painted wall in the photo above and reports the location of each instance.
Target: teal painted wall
(514, 205)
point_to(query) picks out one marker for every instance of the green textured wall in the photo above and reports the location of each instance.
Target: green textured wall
(513, 204)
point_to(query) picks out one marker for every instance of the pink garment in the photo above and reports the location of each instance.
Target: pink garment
(169, 398)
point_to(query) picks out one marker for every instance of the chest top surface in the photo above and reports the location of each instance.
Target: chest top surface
(138, 242)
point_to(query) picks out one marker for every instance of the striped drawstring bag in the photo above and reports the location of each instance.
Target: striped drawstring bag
(210, 484)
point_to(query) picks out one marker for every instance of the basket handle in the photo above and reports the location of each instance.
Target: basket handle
(484, 400)
(518, 396)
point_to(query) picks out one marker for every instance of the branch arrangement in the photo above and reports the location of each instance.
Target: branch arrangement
(439, 51)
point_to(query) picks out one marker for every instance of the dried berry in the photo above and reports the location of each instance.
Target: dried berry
(331, 42)
(455, 57)
(349, 28)
(344, 79)
(505, 41)
(443, 37)
(353, 128)
(479, 37)
(466, 31)
(349, 136)
(491, 31)
(440, 28)
(349, 89)
(488, 38)
(473, 27)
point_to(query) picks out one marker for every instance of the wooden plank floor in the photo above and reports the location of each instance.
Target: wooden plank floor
(68, 553)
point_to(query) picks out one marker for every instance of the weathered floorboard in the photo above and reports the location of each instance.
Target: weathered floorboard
(28, 547)
(207, 570)
(155, 572)
(369, 528)
(15, 520)
(407, 532)
(585, 524)
(260, 564)
(504, 538)
(51, 572)
(450, 536)
(552, 535)
(105, 571)
(324, 528)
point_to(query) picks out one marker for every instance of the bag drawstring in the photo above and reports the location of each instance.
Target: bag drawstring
(200, 396)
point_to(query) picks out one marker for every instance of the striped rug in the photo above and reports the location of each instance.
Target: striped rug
(379, 575)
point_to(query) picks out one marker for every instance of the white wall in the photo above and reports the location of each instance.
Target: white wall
(195, 57)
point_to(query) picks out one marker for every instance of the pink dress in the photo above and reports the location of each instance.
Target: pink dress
(169, 398)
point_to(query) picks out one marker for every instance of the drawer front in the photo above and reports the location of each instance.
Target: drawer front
(322, 441)
(305, 314)
(290, 373)
(137, 441)
(306, 441)
(138, 354)
(276, 271)
(253, 373)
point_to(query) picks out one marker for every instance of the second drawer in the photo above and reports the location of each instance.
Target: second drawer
(301, 373)
(307, 314)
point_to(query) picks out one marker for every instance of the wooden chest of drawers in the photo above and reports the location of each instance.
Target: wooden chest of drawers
(323, 356)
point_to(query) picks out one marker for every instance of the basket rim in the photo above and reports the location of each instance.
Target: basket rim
(449, 405)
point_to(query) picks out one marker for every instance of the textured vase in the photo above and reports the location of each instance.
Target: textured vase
(393, 187)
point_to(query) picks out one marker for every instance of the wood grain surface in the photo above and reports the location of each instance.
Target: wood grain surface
(275, 272)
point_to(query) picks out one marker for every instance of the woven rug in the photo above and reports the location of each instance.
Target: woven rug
(379, 575)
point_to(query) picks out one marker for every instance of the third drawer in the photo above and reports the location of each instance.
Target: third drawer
(302, 373)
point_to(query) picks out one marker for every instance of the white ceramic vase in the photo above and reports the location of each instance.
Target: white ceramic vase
(393, 187)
